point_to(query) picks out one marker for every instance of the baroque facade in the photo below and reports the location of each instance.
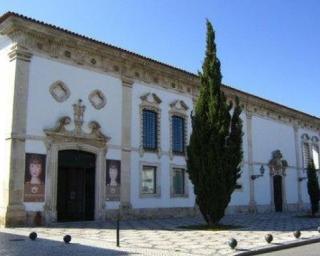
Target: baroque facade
(93, 131)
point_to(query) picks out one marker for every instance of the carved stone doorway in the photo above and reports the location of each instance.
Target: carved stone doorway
(76, 185)
(66, 136)
(277, 193)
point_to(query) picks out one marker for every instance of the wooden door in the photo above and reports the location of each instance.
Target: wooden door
(277, 190)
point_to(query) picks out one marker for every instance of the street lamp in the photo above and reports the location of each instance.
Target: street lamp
(302, 178)
(255, 176)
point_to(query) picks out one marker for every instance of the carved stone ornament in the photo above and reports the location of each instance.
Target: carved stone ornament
(277, 165)
(97, 99)
(59, 91)
(179, 105)
(60, 133)
(151, 98)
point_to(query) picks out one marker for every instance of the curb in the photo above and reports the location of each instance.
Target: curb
(273, 248)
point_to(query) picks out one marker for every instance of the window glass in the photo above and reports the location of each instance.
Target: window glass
(178, 181)
(315, 155)
(177, 134)
(149, 180)
(306, 155)
(149, 129)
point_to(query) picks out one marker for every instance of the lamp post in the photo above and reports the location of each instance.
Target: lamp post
(255, 176)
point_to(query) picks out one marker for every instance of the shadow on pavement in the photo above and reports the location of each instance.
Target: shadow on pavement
(16, 245)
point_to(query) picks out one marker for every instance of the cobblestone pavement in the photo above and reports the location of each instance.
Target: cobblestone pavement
(165, 237)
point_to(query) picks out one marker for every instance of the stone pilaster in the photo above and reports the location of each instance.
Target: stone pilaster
(298, 164)
(12, 209)
(125, 203)
(252, 203)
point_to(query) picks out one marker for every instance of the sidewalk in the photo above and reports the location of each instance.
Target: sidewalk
(164, 237)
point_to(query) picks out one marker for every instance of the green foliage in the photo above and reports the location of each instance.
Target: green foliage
(313, 188)
(215, 149)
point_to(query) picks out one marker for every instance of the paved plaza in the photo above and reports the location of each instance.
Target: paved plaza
(159, 236)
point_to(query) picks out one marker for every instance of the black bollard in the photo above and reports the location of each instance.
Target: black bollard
(297, 234)
(67, 239)
(233, 243)
(268, 238)
(33, 236)
(118, 232)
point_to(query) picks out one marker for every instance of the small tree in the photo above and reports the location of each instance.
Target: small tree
(215, 148)
(313, 188)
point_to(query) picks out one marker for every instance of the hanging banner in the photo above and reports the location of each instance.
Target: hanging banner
(34, 182)
(113, 180)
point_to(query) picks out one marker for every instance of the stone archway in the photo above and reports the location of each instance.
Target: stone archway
(63, 137)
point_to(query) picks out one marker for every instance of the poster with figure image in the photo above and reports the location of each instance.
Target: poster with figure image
(34, 182)
(113, 180)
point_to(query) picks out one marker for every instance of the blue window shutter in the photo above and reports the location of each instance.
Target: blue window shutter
(178, 134)
(149, 129)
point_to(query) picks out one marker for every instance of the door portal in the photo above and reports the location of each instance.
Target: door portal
(76, 185)
(277, 190)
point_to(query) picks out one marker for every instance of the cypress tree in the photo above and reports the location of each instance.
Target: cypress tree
(215, 148)
(313, 188)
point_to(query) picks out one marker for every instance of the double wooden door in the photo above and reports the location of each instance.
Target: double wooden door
(76, 191)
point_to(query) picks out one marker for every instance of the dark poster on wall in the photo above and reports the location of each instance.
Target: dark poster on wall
(34, 181)
(113, 180)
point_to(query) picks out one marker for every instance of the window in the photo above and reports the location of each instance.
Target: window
(149, 129)
(178, 181)
(315, 156)
(148, 180)
(178, 134)
(306, 155)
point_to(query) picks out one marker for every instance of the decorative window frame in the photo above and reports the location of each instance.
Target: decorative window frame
(186, 181)
(178, 108)
(158, 179)
(150, 101)
(63, 87)
(101, 95)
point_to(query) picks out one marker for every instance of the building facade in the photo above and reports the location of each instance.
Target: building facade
(90, 131)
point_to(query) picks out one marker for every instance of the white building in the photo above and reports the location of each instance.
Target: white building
(74, 110)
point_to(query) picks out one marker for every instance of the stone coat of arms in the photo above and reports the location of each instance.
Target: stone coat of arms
(277, 165)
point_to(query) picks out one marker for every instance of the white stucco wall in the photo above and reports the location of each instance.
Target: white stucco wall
(269, 135)
(167, 97)
(242, 196)
(6, 103)
(44, 110)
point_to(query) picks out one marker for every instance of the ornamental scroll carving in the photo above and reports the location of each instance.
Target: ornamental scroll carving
(62, 132)
(277, 164)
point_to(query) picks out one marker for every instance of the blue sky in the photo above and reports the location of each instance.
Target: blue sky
(269, 48)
